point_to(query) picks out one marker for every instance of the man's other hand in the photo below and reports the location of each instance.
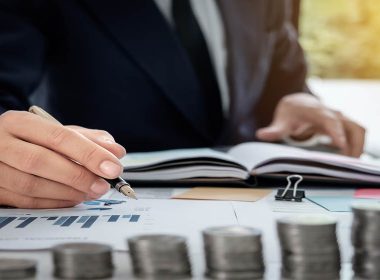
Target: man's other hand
(302, 115)
(48, 165)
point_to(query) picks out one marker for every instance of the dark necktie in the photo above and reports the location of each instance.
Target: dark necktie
(192, 39)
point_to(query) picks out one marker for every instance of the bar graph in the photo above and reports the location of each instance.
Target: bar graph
(26, 222)
(4, 221)
(104, 202)
(37, 229)
(81, 222)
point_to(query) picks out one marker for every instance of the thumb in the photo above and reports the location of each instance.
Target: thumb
(274, 132)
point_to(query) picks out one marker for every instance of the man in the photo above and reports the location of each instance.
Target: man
(156, 74)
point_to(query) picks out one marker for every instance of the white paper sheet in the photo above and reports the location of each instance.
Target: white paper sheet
(39, 229)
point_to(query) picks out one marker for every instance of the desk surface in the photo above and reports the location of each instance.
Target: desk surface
(250, 214)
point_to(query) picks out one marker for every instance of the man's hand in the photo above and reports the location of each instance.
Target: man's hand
(302, 115)
(48, 165)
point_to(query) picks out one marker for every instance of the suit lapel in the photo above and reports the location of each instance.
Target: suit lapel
(143, 33)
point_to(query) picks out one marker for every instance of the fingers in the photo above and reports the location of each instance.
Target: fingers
(9, 198)
(33, 186)
(102, 138)
(39, 162)
(330, 124)
(302, 115)
(65, 141)
(275, 132)
(345, 134)
(33, 159)
(355, 137)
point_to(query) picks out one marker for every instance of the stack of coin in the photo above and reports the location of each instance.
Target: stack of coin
(309, 247)
(365, 237)
(160, 256)
(17, 268)
(233, 252)
(82, 261)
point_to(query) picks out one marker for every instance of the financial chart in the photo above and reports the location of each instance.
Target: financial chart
(109, 221)
(65, 221)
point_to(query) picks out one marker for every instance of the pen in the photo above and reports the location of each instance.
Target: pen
(118, 183)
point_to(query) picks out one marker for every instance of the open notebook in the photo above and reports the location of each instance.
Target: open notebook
(242, 163)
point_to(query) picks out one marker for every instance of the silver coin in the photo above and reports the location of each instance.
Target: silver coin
(238, 275)
(234, 262)
(366, 208)
(233, 251)
(309, 247)
(232, 239)
(17, 268)
(312, 263)
(366, 240)
(82, 260)
(293, 275)
(85, 249)
(160, 255)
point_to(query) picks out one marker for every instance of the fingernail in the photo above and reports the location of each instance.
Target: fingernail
(100, 187)
(110, 169)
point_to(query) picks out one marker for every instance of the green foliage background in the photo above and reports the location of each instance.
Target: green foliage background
(341, 38)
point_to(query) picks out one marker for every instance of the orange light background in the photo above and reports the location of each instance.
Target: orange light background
(341, 38)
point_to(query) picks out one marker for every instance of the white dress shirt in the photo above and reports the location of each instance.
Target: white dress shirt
(209, 19)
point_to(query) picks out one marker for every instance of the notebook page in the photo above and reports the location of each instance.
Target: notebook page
(252, 154)
(134, 160)
(256, 154)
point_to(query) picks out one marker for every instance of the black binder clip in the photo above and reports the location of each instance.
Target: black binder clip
(291, 194)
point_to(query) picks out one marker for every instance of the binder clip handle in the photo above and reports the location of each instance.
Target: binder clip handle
(291, 194)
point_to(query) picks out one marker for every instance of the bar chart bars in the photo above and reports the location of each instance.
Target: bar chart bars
(84, 222)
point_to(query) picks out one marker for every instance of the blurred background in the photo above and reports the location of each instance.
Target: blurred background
(341, 38)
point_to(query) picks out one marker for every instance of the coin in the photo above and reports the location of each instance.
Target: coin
(17, 268)
(233, 252)
(366, 240)
(309, 247)
(160, 255)
(82, 260)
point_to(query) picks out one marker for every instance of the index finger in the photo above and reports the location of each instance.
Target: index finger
(328, 122)
(355, 136)
(67, 142)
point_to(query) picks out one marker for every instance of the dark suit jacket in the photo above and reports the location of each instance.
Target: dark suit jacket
(117, 65)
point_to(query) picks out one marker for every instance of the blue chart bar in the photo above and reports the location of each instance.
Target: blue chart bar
(93, 202)
(52, 218)
(134, 218)
(61, 220)
(69, 221)
(26, 222)
(90, 221)
(6, 221)
(83, 219)
(113, 218)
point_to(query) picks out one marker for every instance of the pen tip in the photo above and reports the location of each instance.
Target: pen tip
(128, 192)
